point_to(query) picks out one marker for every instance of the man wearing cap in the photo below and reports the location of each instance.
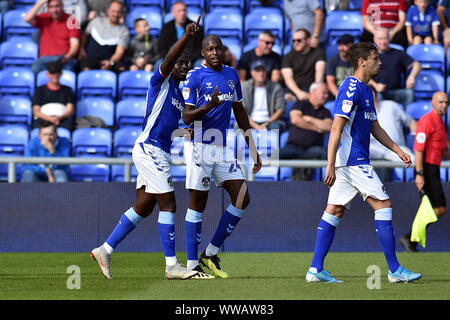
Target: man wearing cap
(339, 66)
(263, 99)
(263, 51)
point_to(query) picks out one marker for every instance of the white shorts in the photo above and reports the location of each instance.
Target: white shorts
(356, 179)
(204, 161)
(153, 166)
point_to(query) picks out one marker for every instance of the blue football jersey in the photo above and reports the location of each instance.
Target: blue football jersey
(354, 101)
(164, 106)
(198, 88)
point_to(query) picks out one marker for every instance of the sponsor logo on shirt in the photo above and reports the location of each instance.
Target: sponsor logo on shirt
(225, 97)
(370, 116)
(177, 104)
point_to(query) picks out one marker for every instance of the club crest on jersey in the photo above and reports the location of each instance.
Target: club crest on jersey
(170, 182)
(206, 181)
(347, 105)
(186, 92)
(231, 84)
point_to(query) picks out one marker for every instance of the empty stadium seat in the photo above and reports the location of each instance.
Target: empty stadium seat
(68, 78)
(89, 172)
(427, 83)
(92, 142)
(14, 25)
(224, 22)
(338, 23)
(18, 53)
(256, 4)
(13, 142)
(96, 107)
(131, 4)
(200, 4)
(267, 144)
(330, 106)
(418, 109)
(264, 18)
(133, 84)
(430, 56)
(153, 15)
(124, 139)
(15, 110)
(97, 83)
(16, 81)
(130, 112)
(230, 4)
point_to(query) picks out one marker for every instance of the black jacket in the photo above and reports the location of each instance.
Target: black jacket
(168, 37)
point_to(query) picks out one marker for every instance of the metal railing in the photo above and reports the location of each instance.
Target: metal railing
(128, 163)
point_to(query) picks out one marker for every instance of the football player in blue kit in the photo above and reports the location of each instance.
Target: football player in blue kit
(211, 91)
(151, 156)
(349, 171)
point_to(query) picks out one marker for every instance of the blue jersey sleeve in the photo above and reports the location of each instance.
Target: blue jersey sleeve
(237, 90)
(346, 98)
(190, 88)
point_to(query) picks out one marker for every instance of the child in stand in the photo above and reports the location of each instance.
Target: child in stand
(142, 52)
(422, 23)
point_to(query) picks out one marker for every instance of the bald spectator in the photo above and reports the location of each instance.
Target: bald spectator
(263, 51)
(174, 29)
(310, 120)
(59, 36)
(396, 64)
(302, 66)
(105, 41)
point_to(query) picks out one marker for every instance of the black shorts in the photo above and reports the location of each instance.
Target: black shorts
(433, 186)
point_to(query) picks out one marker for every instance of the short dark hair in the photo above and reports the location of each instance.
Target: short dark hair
(136, 21)
(361, 50)
(46, 124)
(54, 67)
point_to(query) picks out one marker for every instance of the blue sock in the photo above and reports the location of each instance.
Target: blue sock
(129, 220)
(230, 218)
(193, 233)
(325, 235)
(385, 231)
(166, 228)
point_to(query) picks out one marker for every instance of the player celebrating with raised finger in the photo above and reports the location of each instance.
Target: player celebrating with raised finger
(151, 156)
(349, 171)
(211, 91)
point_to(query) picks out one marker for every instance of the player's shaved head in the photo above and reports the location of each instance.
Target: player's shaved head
(211, 38)
(439, 101)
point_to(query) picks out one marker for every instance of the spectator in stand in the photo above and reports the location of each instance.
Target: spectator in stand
(142, 52)
(306, 14)
(59, 39)
(263, 99)
(77, 9)
(339, 66)
(263, 51)
(443, 13)
(229, 58)
(98, 8)
(393, 119)
(105, 40)
(47, 144)
(390, 15)
(175, 28)
(302, 66)
(422, 23)
(394, 68)
(53, 102)
(310, 120)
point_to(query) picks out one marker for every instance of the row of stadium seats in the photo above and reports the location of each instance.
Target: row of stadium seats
(101, 142)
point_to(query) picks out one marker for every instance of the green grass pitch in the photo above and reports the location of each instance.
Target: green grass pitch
(253, 276)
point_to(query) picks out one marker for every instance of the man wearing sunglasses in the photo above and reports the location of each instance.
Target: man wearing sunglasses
(302, 66)
(263, 51)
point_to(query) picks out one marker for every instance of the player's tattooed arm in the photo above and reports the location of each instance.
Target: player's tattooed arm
(191, 113)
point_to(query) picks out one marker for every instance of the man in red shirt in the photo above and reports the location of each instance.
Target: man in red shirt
(385, 14)
(430, 146)
(59, 36)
